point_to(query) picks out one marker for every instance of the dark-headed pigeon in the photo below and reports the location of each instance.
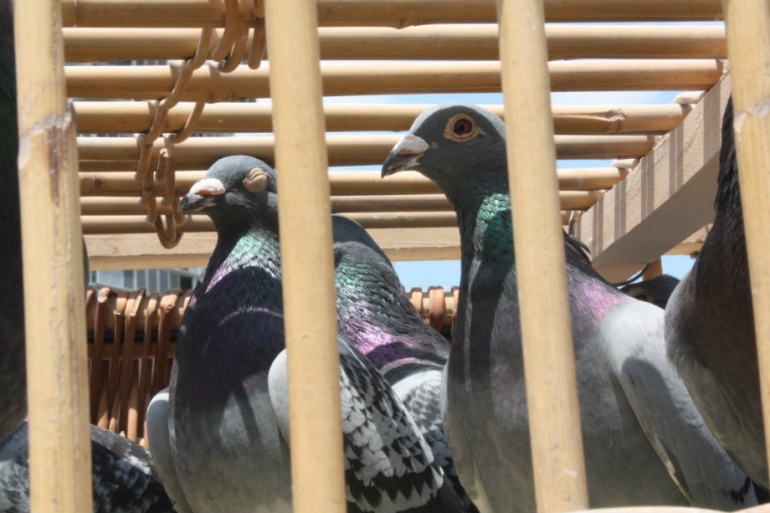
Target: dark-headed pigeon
(645, 443)
(710, 326)
(376, 317)
(13, 375)
(124, 479)
(656, 290)
(228, 418)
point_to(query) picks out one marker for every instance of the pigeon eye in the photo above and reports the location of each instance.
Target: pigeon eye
(461, 128)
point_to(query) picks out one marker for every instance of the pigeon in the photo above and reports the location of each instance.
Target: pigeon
(13, 375)
(228, 413)
(655, 291)
(123, 476)
(710, 326)
(375, 316)
(645, 443)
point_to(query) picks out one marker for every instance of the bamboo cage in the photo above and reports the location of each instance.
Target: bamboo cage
(160, 89)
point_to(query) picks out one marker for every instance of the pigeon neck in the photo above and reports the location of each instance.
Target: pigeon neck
(256, 247)
(385, 327)
(485, 228)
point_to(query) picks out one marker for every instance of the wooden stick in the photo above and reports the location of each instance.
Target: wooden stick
(748, 26)
(393, 13)
(549, 361)
(209, 85)
(98, 117)
(343, 150)
(343, 183)
(307, 260)
(122, 206)
(111, 224)
(432, 42)
(57, 367)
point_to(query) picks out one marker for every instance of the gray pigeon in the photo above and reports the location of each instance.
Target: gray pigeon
(375, 316)
(13, 375)
(228, 413)
(655, 291)
(645, 443)
(710, 326)
(123, 476)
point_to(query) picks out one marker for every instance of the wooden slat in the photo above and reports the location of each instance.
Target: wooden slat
(439, 42)
(307, 259)
(122, 153)
(55, 332)
(664, 200)
(100, 117)
(556, 439)
(210, 85)
(112, 206)
(748, 39)
(394, 13)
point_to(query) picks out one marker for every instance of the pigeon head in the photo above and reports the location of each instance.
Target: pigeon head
(453, 145)
(347, 230)
(237, 190)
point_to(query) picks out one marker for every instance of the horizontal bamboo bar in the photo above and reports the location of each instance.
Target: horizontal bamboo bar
(105, 117)
(343, 183)
(394, 13)
(104, 225)
(432, 42)
(208, 84)
(121, 206)
(343, 150)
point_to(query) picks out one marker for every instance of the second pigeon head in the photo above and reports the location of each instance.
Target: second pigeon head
(237, 190)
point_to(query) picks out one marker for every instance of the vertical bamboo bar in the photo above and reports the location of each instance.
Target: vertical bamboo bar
(57, 371)
(306, 256)
(549, 362)
(748, 46)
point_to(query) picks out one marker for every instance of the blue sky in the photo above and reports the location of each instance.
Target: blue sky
(446, 273)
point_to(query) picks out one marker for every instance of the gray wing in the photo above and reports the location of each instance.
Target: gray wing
(739, 438)
(699, 466)
(160, 448)
(121, 475)
(388, 464)
(421, 394)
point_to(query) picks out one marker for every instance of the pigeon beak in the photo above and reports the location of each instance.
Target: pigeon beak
(202, 195)
(405, 154)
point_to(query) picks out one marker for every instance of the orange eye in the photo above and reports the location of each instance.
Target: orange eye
(461, 128)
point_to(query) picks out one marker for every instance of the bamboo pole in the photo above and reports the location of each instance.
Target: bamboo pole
(57, 368)
(103, 117)
(549, 361)
(748, 27)
(395, 13)
(343, 150)
(343, 183)
(126, 224)
(432, 42)
(317, 468)
(120, 206)
(207, 84)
